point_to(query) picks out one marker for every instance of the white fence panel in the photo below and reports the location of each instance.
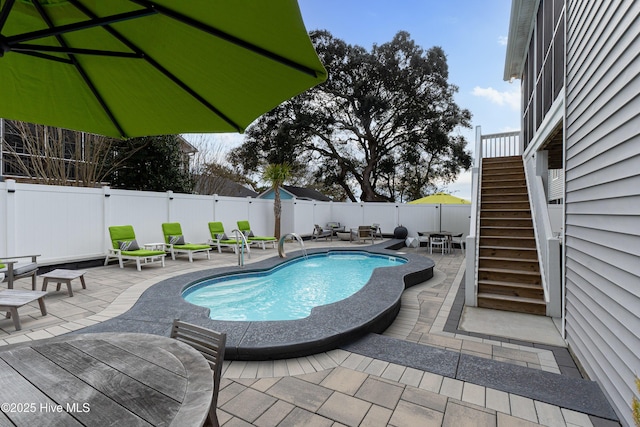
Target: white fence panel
(456, 218)
(230, 210)
(4, 249)
(385, 214)
(348, 214)
(419, 217)
(67, 223)
(261, 217)
(144, 210)
(58, 223)
(193, 213)
(301, 219)
(322, 214)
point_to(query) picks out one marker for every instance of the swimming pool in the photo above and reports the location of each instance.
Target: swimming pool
(291, 290)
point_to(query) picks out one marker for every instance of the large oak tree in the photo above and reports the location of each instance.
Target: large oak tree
(382, 126)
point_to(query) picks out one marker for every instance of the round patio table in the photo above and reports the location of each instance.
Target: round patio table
(104, 379)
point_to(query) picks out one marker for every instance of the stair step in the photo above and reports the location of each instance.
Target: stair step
(506, 197)
(505, 213)
(523, 290)
(509, 252)
(505, 189)
(492, 183)
(509, 275)
(501, 160)
(508, 241)
(506, 231)
(518, 304)
(519, 264)
(504, 205)
(507, 174)
(505, 222)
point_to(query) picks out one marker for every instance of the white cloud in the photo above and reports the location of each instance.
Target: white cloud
(502, 40)
(511, 99)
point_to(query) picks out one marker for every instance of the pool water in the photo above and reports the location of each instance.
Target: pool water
(290, 290)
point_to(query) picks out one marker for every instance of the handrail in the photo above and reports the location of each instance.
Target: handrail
(473, 239)
(548, 246)
(240, 236)
(281, 244)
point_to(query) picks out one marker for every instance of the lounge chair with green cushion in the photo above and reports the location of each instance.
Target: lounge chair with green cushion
(125, 248)
(245, 227)
(220, 239)
(174, 239)
(13, 268)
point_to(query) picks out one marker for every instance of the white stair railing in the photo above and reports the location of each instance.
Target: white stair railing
(547, 244)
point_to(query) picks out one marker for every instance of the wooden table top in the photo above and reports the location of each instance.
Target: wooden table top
(104, 379)
(64, 274)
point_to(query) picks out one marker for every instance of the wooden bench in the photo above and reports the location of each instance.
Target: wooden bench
(12, 299)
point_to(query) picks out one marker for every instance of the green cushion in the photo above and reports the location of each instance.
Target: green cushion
(244, 226)
(191, 247)
(2, 266)
(229, 241)
(121, 232)
(215, 228)
(142, 253)
(171, 229)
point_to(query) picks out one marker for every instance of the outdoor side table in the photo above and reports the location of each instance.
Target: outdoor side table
(61, 276)
(156, 246)
(12, 299)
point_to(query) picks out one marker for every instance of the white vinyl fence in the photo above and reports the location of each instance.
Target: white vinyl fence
(65, 224)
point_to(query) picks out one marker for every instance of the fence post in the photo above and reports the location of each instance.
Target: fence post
(106, 216)
(169, 205)
(11, 216)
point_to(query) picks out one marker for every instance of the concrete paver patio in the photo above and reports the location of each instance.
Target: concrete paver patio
(339, 387)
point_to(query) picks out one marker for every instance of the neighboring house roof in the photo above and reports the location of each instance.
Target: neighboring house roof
(222, 187)
(300, 193)
(520, 27)
(306, 193)
(185, 146)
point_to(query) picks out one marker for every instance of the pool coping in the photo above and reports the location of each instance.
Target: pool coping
(372, 309)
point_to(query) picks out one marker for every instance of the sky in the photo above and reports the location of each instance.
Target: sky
(472, 33)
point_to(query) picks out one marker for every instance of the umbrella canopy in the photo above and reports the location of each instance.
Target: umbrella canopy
(442, 199)
(127, 68)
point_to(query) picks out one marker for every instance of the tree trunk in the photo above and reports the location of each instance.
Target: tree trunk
(277, 211)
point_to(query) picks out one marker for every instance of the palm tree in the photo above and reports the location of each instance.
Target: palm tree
(277, 174)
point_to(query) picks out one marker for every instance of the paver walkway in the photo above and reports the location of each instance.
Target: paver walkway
(338, 387)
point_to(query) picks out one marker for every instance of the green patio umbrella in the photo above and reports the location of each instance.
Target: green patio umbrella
(441, 199)
(127, 68)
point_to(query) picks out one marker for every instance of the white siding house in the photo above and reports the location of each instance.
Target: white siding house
(594, 118)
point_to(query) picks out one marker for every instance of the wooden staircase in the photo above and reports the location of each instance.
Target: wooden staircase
(508, 270)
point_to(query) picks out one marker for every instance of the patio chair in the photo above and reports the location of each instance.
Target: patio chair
(174, 239)
(16, 267)
(365, 232)
(125, 248)
(335, 227)
(458, 239)
(211, 345)
(220, 239)
(245, 227)
(437, 241)
(320, 233)
(377, 231)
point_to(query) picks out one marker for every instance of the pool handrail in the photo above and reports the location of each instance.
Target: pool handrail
(240, 237)
(296, 237)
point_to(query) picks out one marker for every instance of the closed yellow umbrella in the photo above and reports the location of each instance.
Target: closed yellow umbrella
(441, 199)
